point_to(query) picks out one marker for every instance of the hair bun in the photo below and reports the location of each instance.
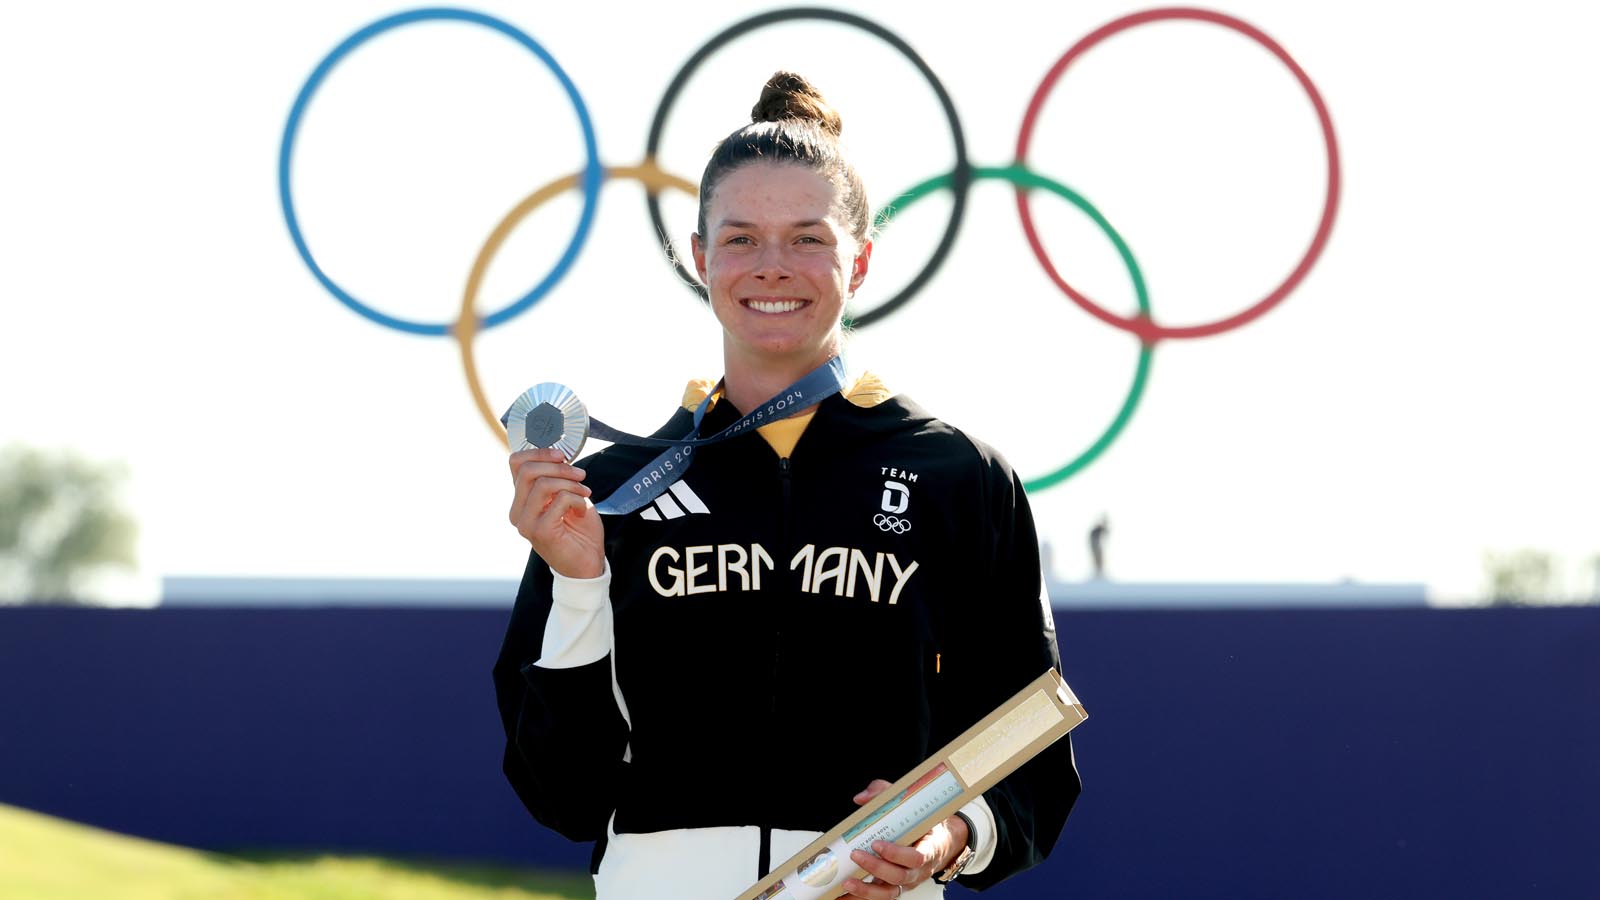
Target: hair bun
(788, 96)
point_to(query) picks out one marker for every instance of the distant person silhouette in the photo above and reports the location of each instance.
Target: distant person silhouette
(1097, 546)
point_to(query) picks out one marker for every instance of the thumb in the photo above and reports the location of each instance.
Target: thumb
(873, 789)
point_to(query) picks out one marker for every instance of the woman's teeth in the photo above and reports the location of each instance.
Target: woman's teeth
(775, 306)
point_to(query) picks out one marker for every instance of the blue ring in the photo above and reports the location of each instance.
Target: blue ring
(593, 172)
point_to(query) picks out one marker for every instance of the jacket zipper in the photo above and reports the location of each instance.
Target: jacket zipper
(764, 854)
(777, 624)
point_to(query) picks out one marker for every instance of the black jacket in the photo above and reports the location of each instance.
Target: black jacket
(828, 619)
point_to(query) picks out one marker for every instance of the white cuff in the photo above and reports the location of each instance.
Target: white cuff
(578, 631)
(983, 834)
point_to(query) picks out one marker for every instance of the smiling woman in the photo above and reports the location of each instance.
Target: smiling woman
(782, 241)
(671, 683)
(780, 267)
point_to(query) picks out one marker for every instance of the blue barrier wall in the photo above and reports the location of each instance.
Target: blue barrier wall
(1240, 754)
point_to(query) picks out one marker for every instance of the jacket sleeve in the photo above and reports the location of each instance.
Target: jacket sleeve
(565, 735)
(1005, 638)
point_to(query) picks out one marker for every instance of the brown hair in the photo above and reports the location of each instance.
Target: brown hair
(791, 123)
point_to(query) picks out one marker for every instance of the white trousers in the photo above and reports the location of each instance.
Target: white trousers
(701, 864)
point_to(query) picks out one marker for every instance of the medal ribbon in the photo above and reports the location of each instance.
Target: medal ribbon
(656, 476)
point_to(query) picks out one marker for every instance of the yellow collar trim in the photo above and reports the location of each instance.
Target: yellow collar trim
(867, 392)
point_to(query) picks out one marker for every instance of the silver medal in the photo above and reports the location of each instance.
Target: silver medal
(547, 415)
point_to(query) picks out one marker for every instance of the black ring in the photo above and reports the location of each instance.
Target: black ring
(960, 174)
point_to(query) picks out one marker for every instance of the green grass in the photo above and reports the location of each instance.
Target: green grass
(43, 858)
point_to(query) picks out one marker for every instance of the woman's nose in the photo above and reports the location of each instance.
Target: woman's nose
(771, 264)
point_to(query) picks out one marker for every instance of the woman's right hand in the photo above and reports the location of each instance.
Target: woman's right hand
(551, 509)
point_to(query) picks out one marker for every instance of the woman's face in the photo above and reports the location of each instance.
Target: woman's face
(779, 262)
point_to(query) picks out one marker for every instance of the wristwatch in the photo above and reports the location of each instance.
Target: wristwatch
(965, 856)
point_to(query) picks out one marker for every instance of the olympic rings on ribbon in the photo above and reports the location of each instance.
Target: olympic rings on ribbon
(958, 181)
(591, 171)
(960, 173)
(466, 325)
(1145, 327)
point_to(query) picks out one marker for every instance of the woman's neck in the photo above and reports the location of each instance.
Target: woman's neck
(750, 382)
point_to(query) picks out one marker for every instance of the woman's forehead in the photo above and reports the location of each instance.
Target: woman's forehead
(773, 194)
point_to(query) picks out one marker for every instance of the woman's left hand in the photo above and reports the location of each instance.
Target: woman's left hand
(896, 869)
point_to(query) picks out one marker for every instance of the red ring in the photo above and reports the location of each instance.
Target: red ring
(1148, 330)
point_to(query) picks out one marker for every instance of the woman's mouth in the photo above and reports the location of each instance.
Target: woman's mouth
(774, 305)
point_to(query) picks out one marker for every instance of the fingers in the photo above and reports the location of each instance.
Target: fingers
(568, 535)
(538, 475)
(554, 514)
(550, 510)
(892, 864)
(547, 455)
(873, 890)
(897, 856)
(894, 868)
(882, 870)
(536, 499)
(873, 789)
(527, 465)
(889, 877)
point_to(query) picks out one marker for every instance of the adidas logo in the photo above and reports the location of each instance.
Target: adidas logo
(665, 507)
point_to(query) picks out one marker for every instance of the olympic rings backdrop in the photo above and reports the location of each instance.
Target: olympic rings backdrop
(596, 174)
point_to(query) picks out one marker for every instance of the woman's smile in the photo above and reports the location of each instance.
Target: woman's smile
(774, 305)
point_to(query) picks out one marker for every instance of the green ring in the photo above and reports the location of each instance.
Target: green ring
(1023, 177)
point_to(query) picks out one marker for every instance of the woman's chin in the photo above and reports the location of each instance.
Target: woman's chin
(784, 348)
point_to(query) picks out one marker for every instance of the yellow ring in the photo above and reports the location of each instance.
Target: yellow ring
(466, 329)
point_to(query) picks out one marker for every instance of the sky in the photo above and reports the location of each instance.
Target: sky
(1425, 396)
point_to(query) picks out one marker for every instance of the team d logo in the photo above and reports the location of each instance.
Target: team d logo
(896, 500)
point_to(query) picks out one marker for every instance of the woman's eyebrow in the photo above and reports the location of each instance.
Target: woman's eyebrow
(803, 223)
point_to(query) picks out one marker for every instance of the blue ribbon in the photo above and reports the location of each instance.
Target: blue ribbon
(656, 476)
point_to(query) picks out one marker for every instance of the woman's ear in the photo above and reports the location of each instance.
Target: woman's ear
(858, 269)
(699, 251)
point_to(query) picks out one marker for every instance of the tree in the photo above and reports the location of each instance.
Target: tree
(1519, 577)
(61, 524)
